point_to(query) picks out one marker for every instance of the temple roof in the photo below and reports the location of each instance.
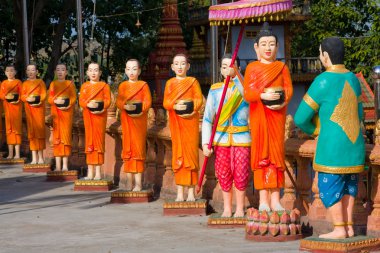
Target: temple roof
(368, 99)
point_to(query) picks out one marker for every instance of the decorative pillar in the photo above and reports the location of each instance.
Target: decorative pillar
(288, 200)
(304, 183)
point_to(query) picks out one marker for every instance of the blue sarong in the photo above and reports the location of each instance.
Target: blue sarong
(332, 187)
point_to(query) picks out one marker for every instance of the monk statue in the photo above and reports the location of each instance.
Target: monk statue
(62, 98)
(268, 89)
(94, 98)
(134, 100)
(10, 93)
(232, 140)
(33, 94)
(183, 100)
(335, 97)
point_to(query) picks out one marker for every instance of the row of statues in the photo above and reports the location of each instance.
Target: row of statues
(249, 133)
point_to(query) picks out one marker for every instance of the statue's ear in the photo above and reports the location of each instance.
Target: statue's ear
(256, 47)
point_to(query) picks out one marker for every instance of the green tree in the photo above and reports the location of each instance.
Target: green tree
(357, 22)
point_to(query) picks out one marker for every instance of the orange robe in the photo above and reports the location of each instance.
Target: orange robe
(95, 124)
(35, 114)
(13, 111)
(267, 126)
(184, 131)
(134, 127)
(62, 119)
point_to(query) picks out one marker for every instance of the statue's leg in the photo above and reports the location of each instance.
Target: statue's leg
(190, 193)
(264, 200)
(34, 157)
(348, 207)
(339, 232)
(275, 200)
(348, 200)
(17, 149)
(332, 188)
(241, 165)
(97, 173)
(138, 182)
(240, 197)
(129, 184)
(58, 165)
(179, 193)
(90, 172)
(65, 166)
(227, 203)
(40, 157)
(10, 152)
(224, 174)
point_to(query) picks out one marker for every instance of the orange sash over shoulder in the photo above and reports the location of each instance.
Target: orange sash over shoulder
(62, 119)
(35, 115)
(13, 111)
(95, 124)
(184, 131)
(134, 128)
(267, 126)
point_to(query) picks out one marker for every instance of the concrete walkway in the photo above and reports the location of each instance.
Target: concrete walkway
(40, 216)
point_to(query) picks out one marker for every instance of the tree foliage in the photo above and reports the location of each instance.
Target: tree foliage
(357, 22)
(110, 40)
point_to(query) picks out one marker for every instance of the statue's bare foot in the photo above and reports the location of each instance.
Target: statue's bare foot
(33, 162)
(350, 231)
(278, 207)
(137, 189)
(97, 178)
(65, 169)
(179, 199)
(239, 213)
(190, 198)
(16, 157)
(264, 207)
(335, 234)
(226, 214)
(57, 169)
(41, 161)
(9, 157)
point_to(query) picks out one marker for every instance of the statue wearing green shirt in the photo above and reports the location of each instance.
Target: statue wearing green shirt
(335, 97)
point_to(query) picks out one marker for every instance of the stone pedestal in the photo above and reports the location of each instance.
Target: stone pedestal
(356, 244)
(216, 221)
(12, 161)
(127, 197)
(173, 208)
(92, 185)
(62, 176)
(37, 168)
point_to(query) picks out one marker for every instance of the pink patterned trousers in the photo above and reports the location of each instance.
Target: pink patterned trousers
(232, 166)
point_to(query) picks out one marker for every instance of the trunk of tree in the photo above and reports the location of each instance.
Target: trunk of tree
(68, 8)
(19, 58)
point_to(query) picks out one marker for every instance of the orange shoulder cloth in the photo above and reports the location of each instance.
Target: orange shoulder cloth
(262, 75)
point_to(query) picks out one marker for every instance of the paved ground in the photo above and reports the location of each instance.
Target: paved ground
(40, 216)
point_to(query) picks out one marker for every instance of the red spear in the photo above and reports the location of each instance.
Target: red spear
(216, 121)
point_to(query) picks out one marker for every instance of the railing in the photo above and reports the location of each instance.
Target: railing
(300, 150)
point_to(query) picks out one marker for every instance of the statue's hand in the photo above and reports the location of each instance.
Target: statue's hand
(59, 101)
(180, 107)
(30, 99)
(9, 96)
(130, 107)
(92, 104)
(206, 152)
(276, 107)
(269, 96)
(231, 72)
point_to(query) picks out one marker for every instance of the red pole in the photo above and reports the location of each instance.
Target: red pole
(227, 81)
